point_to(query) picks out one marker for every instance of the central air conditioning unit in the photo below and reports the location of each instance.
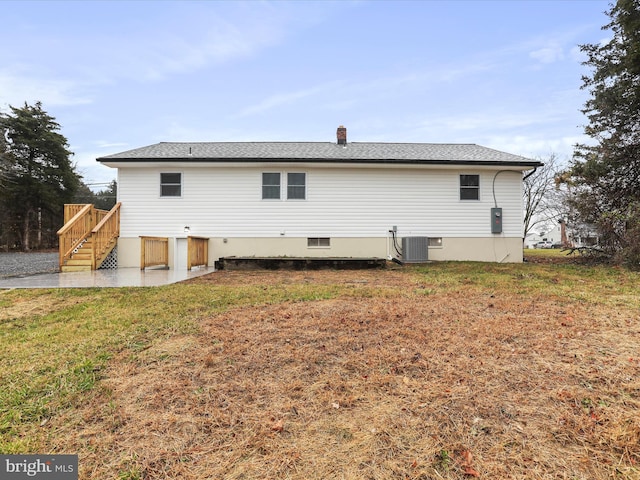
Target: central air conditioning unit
(415, 249)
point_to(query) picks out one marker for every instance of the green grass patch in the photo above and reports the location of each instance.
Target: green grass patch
(546, 252)
(594, 284)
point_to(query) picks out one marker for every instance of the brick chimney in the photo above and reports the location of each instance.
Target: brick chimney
(342, 135)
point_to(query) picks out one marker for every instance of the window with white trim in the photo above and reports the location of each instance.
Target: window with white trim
(270, 186)
(469, 187)
(274, 188)
(170, 184)
(296, 186)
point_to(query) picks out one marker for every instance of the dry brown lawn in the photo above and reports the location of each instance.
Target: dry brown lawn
(394, 380)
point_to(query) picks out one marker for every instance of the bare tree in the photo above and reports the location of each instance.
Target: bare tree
(543, 198)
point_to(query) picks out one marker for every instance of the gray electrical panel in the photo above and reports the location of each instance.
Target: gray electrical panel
(415, 249)
(496, 220)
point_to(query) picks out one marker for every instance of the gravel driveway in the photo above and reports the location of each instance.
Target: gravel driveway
(24, 264)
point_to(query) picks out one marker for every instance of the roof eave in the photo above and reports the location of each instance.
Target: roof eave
(358, 161)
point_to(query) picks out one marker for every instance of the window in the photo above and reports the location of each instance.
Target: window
(435, 241)
(296, 186)
(318, 242)
(271, 186)
(469, 187)
(170, 184)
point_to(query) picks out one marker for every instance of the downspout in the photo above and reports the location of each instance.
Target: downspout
(523, 179)
(529, 174)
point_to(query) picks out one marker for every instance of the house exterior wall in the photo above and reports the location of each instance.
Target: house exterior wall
(355, 207)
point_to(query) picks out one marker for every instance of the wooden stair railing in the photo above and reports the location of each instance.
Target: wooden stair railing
(75, 231)
(104, 236)
(70, 210)
(98, 229)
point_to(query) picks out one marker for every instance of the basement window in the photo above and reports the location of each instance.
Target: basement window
(170, 184)
(318, 242)
(435, 242)
(469, 187)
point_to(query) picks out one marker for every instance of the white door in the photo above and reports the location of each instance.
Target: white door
(181, 253)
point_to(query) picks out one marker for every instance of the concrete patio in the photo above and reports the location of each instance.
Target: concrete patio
(120, 277)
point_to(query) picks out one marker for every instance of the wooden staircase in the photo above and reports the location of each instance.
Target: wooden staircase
(87, 237)
(81, 259)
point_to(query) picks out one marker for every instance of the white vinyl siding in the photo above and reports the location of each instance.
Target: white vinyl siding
(223, 201)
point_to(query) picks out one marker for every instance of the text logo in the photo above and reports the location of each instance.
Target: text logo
(45, 467)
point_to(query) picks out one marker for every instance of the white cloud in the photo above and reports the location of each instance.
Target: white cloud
(353, 93)
(281, 99)
(153, 59)
(535, 145)
(490, 121)
(105, 144)
(185, 42)
(93, 172)
(577, 55)
(548, 54)
(19, 85)
(176, 41)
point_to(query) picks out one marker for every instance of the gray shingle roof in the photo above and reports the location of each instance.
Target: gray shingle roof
(357, 152)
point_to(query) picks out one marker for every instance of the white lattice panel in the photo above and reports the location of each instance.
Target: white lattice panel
(111, 262)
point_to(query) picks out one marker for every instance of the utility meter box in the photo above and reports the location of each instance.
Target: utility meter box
(496, 220)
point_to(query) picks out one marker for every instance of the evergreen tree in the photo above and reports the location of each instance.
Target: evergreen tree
(84, 194)
(605, 175)
(40, 177)
(106, 199)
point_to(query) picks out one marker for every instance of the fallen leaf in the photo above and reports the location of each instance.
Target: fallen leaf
(467, 457)
(466, 460)
(471, 471)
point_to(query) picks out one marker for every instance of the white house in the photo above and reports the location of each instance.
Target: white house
(553, 235)
(317, 199)
(566, 235)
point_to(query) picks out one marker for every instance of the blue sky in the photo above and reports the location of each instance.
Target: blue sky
(119, 75)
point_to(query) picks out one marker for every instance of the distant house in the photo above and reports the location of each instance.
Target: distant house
(566, 235)
(585, 235)
(553, 235)
(322, 199)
